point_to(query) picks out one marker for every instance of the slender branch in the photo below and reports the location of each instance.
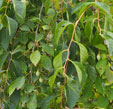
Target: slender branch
(7, 70)
(68, 52)
(36, 43)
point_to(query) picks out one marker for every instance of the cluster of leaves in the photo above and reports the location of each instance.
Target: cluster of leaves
(56, 54)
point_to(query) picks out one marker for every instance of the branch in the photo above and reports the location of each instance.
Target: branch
(68, 50)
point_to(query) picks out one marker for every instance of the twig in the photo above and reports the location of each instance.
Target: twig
(7, 70)
(36, 43)
(68, 49)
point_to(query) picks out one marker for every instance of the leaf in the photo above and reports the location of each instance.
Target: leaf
(101, 66)
(59, 29)
(16, 84)
(1, 1)
(3, 58)
(83, 52)
(109, 75)
(18, 49)
(32, 102)
(53, 77)
(102, 6)
(49, 50)
(47, 4)
(19, 82)
(20, 10)
(102, 102)
(79, 6)
(29, 88)
(82, 75)
(46, 62)
(99, 84)
(72, 92)
(89, 27)
(57, 62)
(35, 57)
(12, 26)
(91, 72)
(46, 101)
(4, 39)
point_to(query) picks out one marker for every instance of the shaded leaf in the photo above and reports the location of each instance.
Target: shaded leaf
(12, 26)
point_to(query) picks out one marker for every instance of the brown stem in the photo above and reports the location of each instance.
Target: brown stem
(68, 50)
(7, 70)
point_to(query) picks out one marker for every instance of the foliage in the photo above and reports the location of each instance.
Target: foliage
(56, 54)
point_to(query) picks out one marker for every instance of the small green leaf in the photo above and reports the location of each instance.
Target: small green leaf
(17, 84)
(46, 101)
(101, 66)
(59, 29)
(102, 102)
(29, 88)
(35, 57)
(32, 102)
(89, 27)
(57, 62)
(12, 26)
(20, 10)
(82, 75)
(49, 50)
(1, 3)
(53, 77)
(109, 75)
(4, 38)
(46, 62)
(83, 52)
(3, 59)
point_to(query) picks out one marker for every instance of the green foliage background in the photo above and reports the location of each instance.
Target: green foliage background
(56, 54)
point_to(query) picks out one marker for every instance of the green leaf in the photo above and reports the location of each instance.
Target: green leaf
(59, 29)
(89, 27)
(32, 102)
(18, 49)
(46, 62)
(83, 52)
(35, 57)
(29, 88)
(4, 38)
(53, 77)
(3, 58)
(17, 84)
(12, 26)
(57, 62)
(102, 102)
(99, 84)
(20, 10)
(102, 6)
(49, 50)
(72, 92)
(46, 101)
(79, 6)
(1, 3)
(101, 66)
(47, 4)
(109, 75)
(82, 75)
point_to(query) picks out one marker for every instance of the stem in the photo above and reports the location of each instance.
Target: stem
(68, 49)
